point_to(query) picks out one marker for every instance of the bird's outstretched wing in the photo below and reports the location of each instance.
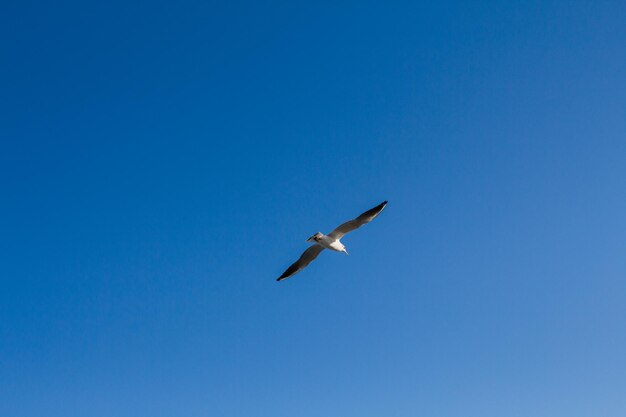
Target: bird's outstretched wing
(305, 259)
(351, 225)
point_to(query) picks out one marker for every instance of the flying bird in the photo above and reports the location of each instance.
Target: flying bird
(330, 241)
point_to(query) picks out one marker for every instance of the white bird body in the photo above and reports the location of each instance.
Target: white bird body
(331, 241)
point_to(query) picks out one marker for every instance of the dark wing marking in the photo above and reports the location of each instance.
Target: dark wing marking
(305, 259)
(351, 225)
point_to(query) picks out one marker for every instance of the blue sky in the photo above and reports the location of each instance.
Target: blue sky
(162, 163)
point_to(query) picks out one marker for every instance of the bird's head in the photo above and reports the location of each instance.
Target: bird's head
(315, 238)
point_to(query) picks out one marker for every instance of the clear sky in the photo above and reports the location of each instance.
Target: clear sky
(161, 163)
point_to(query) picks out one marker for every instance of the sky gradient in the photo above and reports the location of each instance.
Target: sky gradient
(162, 163)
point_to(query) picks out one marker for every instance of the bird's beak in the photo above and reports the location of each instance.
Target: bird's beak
(310, 239)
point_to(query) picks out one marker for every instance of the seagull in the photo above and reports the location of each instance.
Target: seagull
(330, 241)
